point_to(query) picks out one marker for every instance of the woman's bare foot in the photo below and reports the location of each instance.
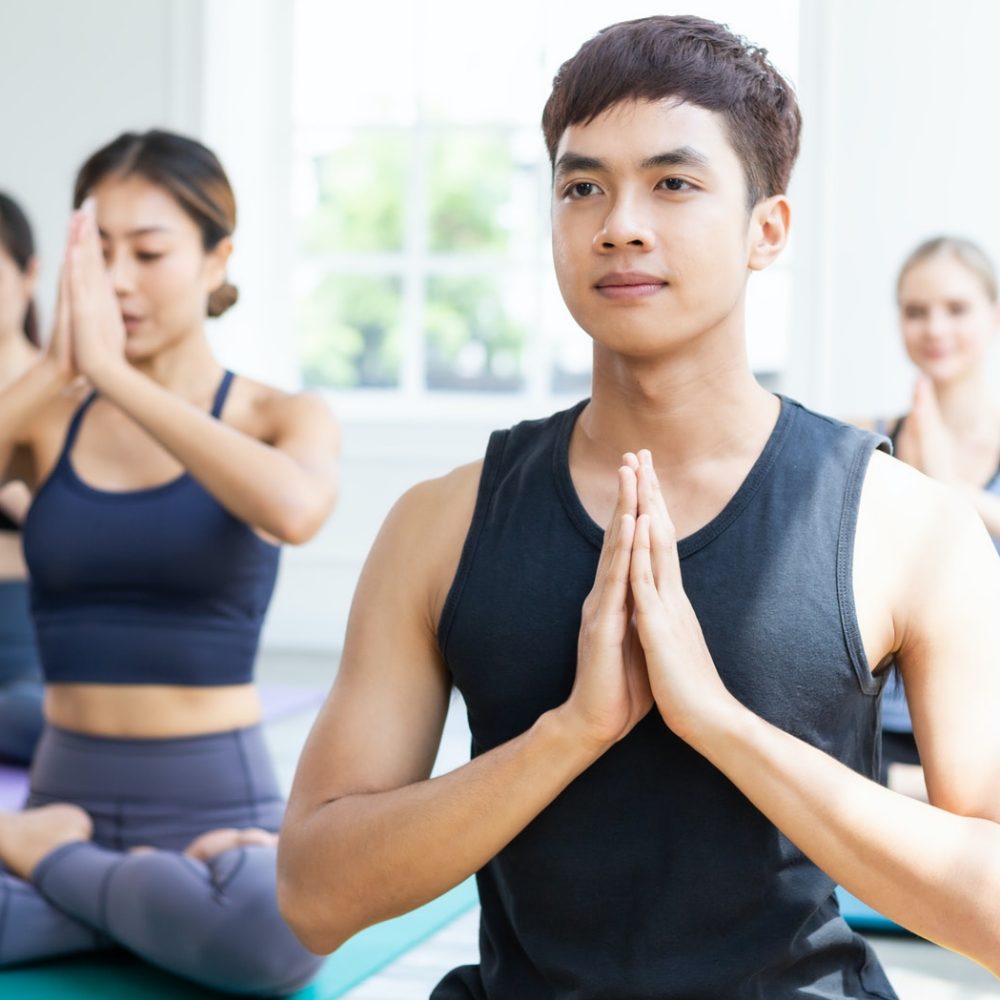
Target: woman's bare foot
(208, 845)
(27, 837)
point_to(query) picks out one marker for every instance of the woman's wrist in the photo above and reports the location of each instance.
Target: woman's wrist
(55, 374)
(111, 377)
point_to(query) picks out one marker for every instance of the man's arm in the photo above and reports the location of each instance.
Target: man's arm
(934, 868)
(987, 507)
(367, 836)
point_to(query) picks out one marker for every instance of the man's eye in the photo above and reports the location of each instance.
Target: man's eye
(582, 189)
(674, 184)
(146, 256)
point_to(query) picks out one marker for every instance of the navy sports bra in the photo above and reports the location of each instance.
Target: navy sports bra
(153, 586)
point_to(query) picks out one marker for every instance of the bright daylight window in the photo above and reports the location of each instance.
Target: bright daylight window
(421, 194)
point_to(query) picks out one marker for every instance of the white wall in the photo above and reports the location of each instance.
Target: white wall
(898, 144)
(75, 75)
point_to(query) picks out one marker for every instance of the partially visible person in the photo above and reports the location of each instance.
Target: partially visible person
(20, 674)
(949, 315)
(159, 504)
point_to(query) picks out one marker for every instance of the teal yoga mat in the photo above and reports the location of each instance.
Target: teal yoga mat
(862, 917)
(117, 976)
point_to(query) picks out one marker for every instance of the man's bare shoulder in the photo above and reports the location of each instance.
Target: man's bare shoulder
(908, 505)
(914, 534)
(425, 531)
(442, 506)
(920, 550)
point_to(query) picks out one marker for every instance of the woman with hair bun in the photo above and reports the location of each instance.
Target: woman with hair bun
(20, 675)
(949, 317)
(159, 505)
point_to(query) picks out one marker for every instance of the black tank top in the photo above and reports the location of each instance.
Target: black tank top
(652, 875)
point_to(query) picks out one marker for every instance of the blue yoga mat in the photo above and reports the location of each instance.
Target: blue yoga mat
(118, 976)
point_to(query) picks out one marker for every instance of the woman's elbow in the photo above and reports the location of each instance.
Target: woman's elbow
(298, 522)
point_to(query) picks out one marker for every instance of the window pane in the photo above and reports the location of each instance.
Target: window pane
(358, 196)
(474, 339)
(479, 64)
(571, 348)
(349, 332)
(354, 66)
(481, 192)
(421, 192)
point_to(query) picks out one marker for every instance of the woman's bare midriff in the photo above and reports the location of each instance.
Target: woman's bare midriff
(148, 711)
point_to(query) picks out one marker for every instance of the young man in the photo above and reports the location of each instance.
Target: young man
(671, 772)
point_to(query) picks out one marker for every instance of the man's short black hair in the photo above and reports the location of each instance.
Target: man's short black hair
(692, 60)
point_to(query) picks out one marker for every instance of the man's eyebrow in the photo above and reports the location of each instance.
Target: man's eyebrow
(570, 162)
(685, 156)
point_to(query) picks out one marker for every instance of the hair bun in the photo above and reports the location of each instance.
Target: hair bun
(222, 298)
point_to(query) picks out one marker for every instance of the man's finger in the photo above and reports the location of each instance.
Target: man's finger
(643, 584)
(663, 537)
(626, 504)
(613, 593)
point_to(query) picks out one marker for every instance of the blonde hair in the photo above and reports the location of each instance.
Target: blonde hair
(970, 254)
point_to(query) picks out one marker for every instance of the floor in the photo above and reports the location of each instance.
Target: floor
(918, 970)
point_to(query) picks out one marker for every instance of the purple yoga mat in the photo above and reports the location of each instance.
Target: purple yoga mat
(280, 700)
(13, 787)
(277, 702)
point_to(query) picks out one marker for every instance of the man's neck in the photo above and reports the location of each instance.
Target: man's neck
(684, 410)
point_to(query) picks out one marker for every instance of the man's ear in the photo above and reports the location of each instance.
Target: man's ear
(769, 225)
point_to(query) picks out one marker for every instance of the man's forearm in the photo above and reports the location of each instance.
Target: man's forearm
(366, 857)
(930, 870)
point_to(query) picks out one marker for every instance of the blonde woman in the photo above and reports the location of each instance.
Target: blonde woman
(949, 316)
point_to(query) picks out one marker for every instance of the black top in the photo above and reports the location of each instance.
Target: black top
(652, 875)
(7, 523)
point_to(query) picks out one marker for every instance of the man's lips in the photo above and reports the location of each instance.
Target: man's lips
(629, 285)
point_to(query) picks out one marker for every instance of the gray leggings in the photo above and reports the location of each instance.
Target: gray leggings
(216, 923)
